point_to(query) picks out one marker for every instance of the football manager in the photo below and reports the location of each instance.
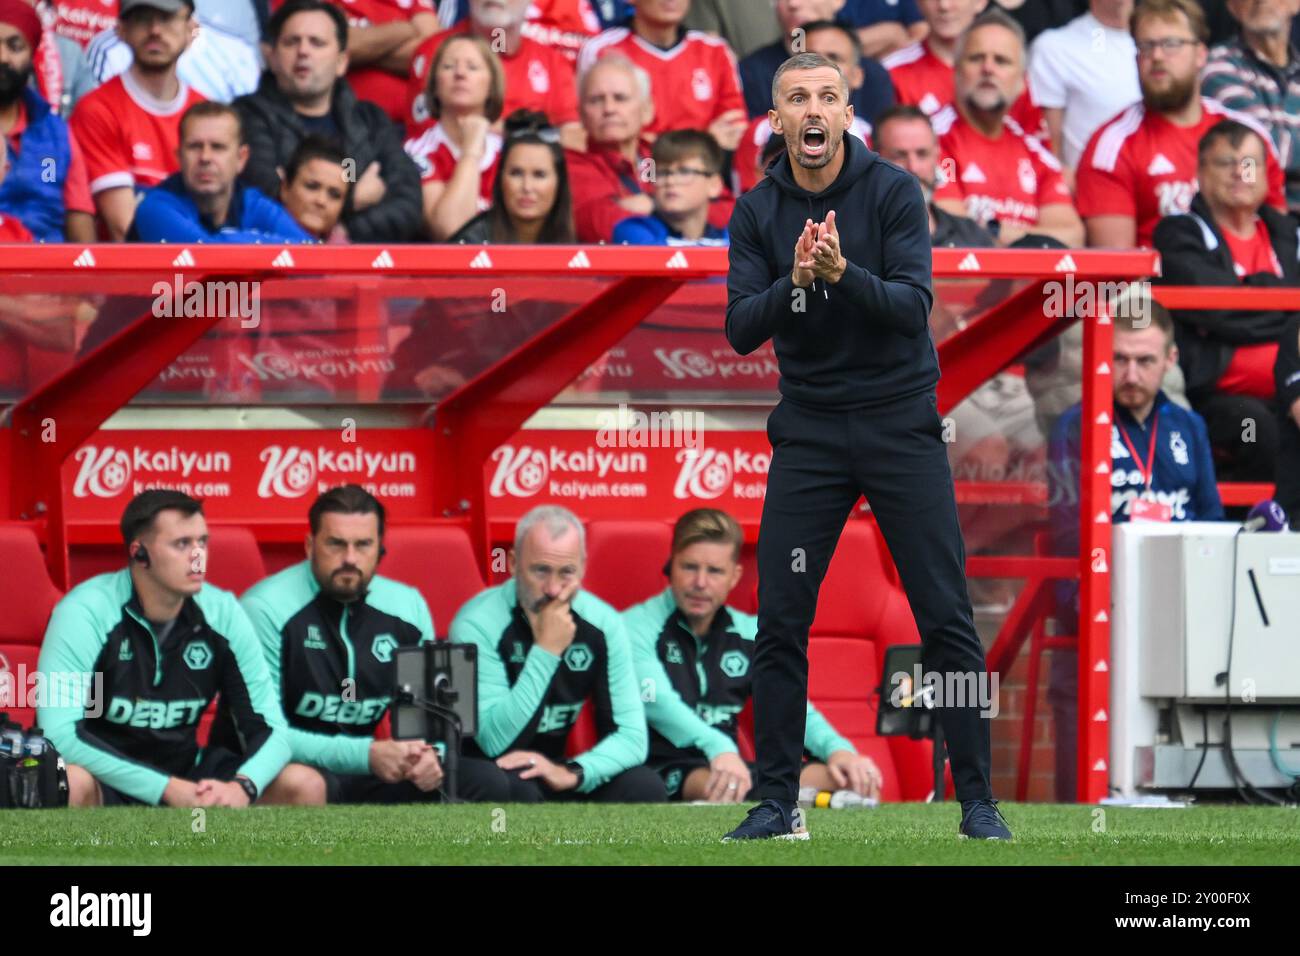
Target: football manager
(830, 259)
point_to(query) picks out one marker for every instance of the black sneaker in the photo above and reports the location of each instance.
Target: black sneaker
(770, 820)
(982, 820)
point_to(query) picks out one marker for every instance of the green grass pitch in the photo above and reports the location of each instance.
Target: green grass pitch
(893, 835)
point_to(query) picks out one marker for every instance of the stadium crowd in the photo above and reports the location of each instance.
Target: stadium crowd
(1030, 124)
(1168, 124)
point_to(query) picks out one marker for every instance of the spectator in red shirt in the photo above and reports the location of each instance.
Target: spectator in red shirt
(612, 178)
(1231, 236)
(993, 171)
(922, 73)
(52, 197)
(128, 127)
(458, 157)
(539, 78)
(1141, 165)
(693, 76)
(316, 188)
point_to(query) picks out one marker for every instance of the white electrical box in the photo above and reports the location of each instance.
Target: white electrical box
(1189, 606)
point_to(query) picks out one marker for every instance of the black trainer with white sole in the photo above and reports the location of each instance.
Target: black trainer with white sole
(982, 820)
(771, 820)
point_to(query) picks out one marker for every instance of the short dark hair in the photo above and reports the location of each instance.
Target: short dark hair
(901, 112)
(817, 26)
(677, 145)
(206, 109)
(805, 61)
(346, 500)
(142, 510)
(312, 147)
(1231, 130)
(294, 7)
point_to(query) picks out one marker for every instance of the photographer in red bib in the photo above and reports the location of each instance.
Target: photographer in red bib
(830, 259)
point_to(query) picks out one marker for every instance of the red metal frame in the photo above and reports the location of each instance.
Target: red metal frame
(486, 411)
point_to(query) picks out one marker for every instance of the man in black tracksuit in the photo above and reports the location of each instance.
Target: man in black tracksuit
(830, 258)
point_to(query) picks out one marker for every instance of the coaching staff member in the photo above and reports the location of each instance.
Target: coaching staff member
(830, 258)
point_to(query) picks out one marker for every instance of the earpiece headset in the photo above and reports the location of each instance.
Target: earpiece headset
(141, 555)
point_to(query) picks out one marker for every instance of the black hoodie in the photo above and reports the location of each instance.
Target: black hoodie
(1193, 252)
(864, 340)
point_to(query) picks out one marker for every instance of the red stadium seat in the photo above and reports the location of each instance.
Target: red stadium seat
(234, 560)
(26, 590)
(29, 596)
(625, 560)
(436, 560)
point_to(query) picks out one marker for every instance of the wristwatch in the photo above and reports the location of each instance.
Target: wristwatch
(575, 768)
(249, 788)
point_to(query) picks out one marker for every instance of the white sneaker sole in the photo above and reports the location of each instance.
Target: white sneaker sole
(782, 836)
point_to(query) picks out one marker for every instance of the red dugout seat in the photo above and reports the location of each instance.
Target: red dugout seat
(625, 560)
(234, 559)
(439, 562)
(29, 596)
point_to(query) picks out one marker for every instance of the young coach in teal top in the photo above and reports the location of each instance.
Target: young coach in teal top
(329, 627)
(546, 650)
(693, 655)
(164, 644)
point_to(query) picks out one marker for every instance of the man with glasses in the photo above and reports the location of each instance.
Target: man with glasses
(688, 164)
(1231, 237)
(1141, 165)
(1258, 73)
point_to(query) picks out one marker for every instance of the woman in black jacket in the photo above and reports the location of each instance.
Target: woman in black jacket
(531, 201)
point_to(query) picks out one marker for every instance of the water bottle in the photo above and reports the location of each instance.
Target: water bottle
(811, 797)
(11, 738)
(35, 744)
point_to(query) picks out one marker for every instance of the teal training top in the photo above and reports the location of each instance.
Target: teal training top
(695, 687)
(143, 730)
(529, 698)
(331, 663)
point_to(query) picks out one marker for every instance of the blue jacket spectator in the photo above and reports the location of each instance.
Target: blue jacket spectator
(688, 165)
(653, 231)
(205, 201)
(39, 189)
(169, 214)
